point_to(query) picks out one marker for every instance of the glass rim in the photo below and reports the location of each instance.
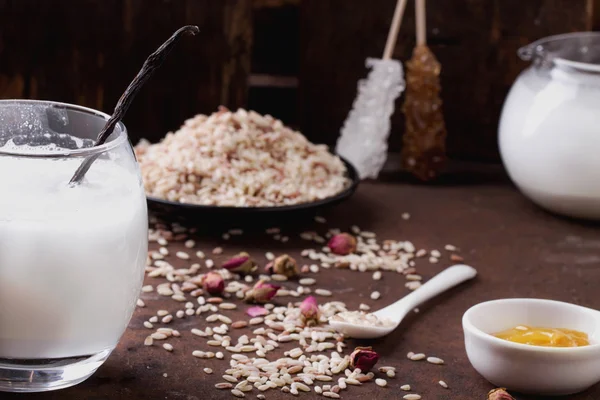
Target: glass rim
(64, 153)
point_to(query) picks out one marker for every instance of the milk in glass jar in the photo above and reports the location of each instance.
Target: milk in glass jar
(549, 133)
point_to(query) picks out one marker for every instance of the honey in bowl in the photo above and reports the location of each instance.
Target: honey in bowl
(548, 337)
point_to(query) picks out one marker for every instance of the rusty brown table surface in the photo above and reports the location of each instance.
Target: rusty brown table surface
(518, 249)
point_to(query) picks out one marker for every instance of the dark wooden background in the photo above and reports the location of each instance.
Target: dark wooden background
(299, 60)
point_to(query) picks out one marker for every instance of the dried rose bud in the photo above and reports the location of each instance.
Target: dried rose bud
(342, 244)
(310, 311)
(241, 264)
(499, 394)
(213, 283)
(283, 265)
(257, 311)
(262, 292)
(363, 358)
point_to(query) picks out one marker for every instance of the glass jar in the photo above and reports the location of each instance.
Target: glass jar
(549, 132)
(72, 257)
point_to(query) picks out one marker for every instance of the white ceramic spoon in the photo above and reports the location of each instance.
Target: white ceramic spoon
(395, 312)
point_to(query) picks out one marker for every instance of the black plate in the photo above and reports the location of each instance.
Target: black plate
(192, 210)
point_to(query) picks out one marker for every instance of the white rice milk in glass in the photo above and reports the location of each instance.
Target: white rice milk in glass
(71, 257)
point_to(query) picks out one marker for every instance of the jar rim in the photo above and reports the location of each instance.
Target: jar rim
(121, 134)
(570, 50)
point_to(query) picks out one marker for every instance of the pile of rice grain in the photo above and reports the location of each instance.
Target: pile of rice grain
(240, 159)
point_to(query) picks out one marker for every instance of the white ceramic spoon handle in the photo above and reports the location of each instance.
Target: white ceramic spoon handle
(443, 281)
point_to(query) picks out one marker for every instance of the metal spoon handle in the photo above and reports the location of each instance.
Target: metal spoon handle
(443, 281)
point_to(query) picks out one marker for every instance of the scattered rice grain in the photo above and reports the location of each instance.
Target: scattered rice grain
(323, 292)
(224, 385)
(435, 360)
(147, 289)
(418, 357)
(307, 281)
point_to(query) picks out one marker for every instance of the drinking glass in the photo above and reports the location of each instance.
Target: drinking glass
(72, 257)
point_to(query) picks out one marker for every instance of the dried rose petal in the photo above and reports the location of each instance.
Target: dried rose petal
(241, 264)
(310, 311)
(342, 244)
(262, 292)
(363, 358)
(213, 283)
(499, 394)
(257, 311)
(283, 265)
(270, 268)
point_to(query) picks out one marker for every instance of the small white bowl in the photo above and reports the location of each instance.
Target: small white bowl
(529, 369)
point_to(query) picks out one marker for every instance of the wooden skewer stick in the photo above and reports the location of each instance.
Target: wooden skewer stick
(394, 28)
(421, 24)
